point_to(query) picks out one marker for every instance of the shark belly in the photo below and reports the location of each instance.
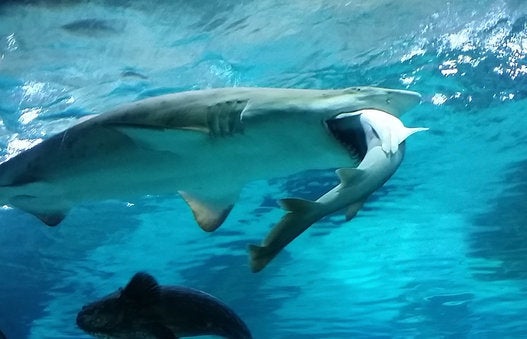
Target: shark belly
(101, 163)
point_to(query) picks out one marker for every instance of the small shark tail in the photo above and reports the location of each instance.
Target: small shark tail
(300, 215)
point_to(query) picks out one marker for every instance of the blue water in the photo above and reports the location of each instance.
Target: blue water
(439, 251)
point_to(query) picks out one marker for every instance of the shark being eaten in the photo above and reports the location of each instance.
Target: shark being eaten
(379, 138)
(207, 144)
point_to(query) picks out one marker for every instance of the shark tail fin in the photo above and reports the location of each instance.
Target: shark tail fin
(300, 215)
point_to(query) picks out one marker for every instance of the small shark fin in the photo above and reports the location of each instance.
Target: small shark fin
(208, 215)
(348, 176)
(300, 215)
(30, 204)
(297, 205)
(410, 131)
(143, 289)
(353, 209)
(259, 257)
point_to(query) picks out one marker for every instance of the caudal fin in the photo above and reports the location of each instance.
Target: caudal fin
(300, 215)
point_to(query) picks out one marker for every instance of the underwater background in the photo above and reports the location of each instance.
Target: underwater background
(439, 251)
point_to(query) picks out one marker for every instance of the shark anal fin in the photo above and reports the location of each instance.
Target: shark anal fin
(353, 209)
(51, 219)
(51, 216)
(208, 215)
(349, 175)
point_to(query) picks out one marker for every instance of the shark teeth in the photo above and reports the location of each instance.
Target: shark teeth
(348, 131)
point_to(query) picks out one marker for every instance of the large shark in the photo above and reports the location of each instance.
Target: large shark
(204, 145)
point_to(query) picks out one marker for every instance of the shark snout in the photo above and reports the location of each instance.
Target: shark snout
(403, 100)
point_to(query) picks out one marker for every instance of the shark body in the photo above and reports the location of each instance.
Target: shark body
(204, 145)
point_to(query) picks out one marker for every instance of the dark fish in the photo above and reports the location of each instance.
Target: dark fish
(2, 335)
(144, 309)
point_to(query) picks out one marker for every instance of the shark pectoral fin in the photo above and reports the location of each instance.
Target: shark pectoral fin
(353, 209)
(348, 176)
(208, 214)
(51, 216)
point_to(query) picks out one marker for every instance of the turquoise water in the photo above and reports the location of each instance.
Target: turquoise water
(439, 251)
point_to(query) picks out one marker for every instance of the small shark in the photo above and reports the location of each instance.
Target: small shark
(205, 145)
(146, 310)
(380, 139)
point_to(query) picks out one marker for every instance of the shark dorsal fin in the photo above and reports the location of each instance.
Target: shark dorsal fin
(143, 289)
(297, 205)
(208, 215)
(349, 175)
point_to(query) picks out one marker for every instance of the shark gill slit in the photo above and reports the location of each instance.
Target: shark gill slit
(224, 118)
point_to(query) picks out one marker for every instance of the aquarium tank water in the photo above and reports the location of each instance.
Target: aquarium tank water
(439, 251)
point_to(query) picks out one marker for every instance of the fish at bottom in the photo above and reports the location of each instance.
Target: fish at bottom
(144, 309)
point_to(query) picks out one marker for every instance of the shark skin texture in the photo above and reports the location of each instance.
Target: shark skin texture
(204, 145)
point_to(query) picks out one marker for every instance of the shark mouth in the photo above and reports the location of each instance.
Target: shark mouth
(348, 130)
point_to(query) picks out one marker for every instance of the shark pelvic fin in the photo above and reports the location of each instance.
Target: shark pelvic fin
(348, 176)
(209, 215)
(31, 204)
(51, 219)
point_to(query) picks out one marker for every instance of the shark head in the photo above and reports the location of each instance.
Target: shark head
(393, 101)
